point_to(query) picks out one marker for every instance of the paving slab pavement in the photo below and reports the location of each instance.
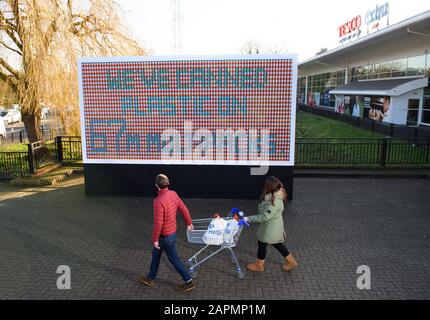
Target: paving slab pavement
(333, 226)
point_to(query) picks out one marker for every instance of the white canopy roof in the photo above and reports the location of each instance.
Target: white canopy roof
(389, 87)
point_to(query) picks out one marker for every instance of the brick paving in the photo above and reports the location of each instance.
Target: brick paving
(333, 226)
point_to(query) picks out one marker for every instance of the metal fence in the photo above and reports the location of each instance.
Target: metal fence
(316, 152)
(337, 151)
(42, 153)
(69, 148)
(412, 151)
(13, 165)
(380, 152)
(20, 136)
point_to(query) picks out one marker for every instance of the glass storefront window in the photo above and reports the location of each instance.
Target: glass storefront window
(362, 73)
(428, 65)
(353, 74)
(385, 69)
(365, 75)
(413, 110)
(301, 90)
(416, 65)
(332, 100)
(425, 118)
(319, 86)
(400, 67)
(373, 71)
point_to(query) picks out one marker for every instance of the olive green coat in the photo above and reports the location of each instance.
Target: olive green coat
(269, 216)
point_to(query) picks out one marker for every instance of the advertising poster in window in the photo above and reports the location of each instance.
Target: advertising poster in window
(348, 105)
(358, 108)
(325, 99)
(317, 97)
(379, 108)
(340, 104)
(310, 99)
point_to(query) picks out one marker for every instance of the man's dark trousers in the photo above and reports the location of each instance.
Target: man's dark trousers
(168, 244)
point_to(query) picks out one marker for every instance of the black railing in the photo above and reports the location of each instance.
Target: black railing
(379, 152)
(409, 151)
(337, 151)
(69, 148)
(13, 165)
(20, 136)
(316, 152)
(42, 153)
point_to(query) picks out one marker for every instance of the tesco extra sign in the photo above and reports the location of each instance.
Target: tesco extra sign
(377, 14)
(349, 27)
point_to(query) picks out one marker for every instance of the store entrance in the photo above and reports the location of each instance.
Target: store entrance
(425, 117)
(413, 111)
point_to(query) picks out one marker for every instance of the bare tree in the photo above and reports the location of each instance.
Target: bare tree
(251, 47)
(254, 47)
(40, 41)
(277, 49)
(321, 50)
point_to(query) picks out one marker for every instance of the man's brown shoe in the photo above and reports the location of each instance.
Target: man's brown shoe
(146, 281)
(185, 287)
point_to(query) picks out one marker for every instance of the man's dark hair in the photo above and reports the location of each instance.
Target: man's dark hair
(162, 181)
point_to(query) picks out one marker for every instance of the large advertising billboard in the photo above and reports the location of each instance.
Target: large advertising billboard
(226, 110)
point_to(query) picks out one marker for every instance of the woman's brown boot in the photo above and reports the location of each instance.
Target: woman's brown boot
(290, 263)
(257, 266)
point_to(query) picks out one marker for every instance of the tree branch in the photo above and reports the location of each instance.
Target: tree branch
(15, 8)
(9, 68)
(69, 6)
(10, 48)
(11, 82)
(52, 29)
(9, 29)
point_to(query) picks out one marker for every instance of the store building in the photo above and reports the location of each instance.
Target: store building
(383, 75)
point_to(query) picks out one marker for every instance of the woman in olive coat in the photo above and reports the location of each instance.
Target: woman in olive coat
(271, 230)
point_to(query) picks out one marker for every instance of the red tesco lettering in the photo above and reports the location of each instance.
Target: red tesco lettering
(350, 26)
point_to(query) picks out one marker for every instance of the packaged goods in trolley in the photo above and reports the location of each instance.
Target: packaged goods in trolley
(214, 235)
(217, 231)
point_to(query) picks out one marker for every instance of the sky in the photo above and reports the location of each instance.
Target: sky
(224, 26)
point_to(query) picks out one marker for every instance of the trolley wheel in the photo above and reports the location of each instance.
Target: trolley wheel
(193, 272)
(241, 274)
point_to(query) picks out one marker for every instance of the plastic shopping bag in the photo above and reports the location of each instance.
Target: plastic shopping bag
(215, 233)
(231, 230)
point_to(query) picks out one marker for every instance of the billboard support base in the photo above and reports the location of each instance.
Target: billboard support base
(209, 182)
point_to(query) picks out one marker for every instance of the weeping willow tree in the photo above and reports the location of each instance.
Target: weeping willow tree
(40, 41)
(7, 97)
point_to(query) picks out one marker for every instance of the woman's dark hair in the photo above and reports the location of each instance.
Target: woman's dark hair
(271, 185)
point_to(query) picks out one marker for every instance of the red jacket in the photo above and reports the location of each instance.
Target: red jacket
(166, 206)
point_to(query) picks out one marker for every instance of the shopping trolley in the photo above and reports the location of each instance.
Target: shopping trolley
(196, 237)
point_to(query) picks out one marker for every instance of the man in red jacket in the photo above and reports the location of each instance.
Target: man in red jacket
(166, 205)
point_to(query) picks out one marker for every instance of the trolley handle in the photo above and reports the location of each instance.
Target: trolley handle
(233, 211)
(239, 216)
